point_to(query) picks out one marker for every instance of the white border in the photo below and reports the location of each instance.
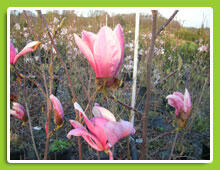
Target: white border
(138, 9)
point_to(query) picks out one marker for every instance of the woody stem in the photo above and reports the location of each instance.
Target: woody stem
(173, 145)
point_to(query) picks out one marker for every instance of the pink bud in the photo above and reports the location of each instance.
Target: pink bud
(57, 110)
(182, 104)
(19, 112)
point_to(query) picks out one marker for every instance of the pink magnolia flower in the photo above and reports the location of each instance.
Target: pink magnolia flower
(30, 47)
(19, 112)
(182, 104)
(104, 50)
(57, 110)
(103, 132)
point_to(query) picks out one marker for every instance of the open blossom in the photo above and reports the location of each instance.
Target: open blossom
(64, 31)
(55, 20)
(103, 132)
(203, 48)
(182, 104)
(19, 112)
(26, 34)
(30, 47)
(17, 26)
(57, 110)
(104, 50)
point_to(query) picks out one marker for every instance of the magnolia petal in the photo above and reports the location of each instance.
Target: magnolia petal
(99, 111)
(90, 139)
(76, 124)
(89, 38)
(30, 47)
(85, 49)
(98, 129)
(187, 102)
(179, 94)
(119, 34)
(87, 121)
(127, 127)
(14, 113)
(19, 107)
(115, 130)
(12, 53)
(33, 45)
(79, 108)
(176, 102)
(20, 111)
(107, 53)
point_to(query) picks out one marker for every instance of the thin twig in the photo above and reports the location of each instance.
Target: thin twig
(90, 101)
(196, 112)
(160, 136)
(166, 78)
(89, 83)
(65, 68)
(148, 84)
(49, 115)
(125, 105)
(59, 56)
(46, 88)
(161, 81)
(30, 127)
(197, 106)
(32, 81)
(51, 73)
(173, 145)
(47, 137)
(81, 81)
(30, 26)
(97, 153)
(167, 22)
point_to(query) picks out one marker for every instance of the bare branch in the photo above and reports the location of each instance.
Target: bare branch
(166, 78)
(30, 127)
(30, 26)
(127, 106)
(148, 85)
(173, 145)
(59, 56)
(167, 22)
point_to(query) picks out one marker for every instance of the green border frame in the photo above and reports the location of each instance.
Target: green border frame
(113, 3)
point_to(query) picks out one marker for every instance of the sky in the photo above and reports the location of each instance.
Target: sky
(187, 16)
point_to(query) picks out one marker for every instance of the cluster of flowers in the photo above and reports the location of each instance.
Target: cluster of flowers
(104, 51)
